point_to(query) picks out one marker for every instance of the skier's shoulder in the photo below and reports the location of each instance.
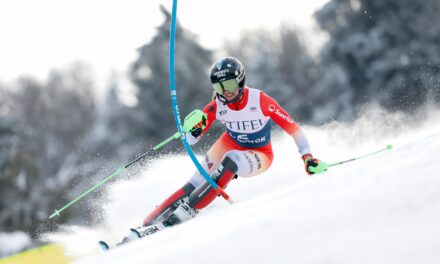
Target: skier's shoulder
(253, 90)
(265, 99)
(211, 107)
(267, 103)
(259, 92)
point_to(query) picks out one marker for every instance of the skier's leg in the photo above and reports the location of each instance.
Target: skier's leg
(169, 205)
(250, 162)
(204, 194)
(209, 163)
(244, 163)
(185, 211)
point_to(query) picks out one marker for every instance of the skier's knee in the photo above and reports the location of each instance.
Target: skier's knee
(205, 193)
(232, 155)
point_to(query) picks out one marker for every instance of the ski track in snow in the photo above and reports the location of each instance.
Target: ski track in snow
(380, 209)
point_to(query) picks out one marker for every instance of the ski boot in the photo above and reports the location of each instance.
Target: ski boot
(182, 213)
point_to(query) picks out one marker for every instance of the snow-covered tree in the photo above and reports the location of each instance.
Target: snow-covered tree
(45, 123)
(380, 50)
(278, 63)
(150, 73)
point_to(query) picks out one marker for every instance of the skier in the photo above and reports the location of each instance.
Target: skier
(244, 150)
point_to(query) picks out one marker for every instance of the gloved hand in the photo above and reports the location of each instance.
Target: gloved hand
(313, 165)
(197, 130)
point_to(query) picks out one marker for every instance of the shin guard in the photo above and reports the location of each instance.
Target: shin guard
(205, 194)
(169, 205)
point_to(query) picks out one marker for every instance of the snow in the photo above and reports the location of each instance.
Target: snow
(380, 209)
(13, 242)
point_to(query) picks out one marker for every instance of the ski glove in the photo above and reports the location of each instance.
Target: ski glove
(313, 165)
(197, 130)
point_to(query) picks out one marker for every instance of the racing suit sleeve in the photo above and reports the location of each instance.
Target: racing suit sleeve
(210, 110)
(271, 108)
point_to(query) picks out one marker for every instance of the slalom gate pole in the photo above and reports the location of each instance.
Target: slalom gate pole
(114, 174)
(176, 112)
(388, 147)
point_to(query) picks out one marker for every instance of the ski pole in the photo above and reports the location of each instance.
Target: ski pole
(114, 174)
(388, 147)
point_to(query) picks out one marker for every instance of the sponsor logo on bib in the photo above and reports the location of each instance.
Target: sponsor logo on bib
(283, 116)
(271, 108)
(245, 140)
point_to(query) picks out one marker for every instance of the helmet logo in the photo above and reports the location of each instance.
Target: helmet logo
(229, 65)
(218, 66)
(222, 73)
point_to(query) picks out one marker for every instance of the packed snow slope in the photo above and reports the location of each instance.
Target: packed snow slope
(380, 209)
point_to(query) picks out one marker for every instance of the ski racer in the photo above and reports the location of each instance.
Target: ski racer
(244, 150)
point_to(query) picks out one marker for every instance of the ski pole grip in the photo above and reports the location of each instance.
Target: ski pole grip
(192, 119)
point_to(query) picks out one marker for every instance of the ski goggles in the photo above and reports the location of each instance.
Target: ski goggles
(228, 85)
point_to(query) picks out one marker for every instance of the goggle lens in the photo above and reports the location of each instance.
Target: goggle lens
(228, 85)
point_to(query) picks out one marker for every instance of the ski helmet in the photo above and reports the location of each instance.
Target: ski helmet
(227, 74)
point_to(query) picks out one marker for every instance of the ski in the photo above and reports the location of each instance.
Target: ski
(103, 245)
(135, 233)
(182, 213)
(143, 231)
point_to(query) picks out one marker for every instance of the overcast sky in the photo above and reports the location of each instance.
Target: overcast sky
(36, 36)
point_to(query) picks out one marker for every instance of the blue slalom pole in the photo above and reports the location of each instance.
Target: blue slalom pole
(176, 111)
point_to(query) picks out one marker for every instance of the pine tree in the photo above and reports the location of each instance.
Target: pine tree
(150, 73)
(278, 63)
(380, 51)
